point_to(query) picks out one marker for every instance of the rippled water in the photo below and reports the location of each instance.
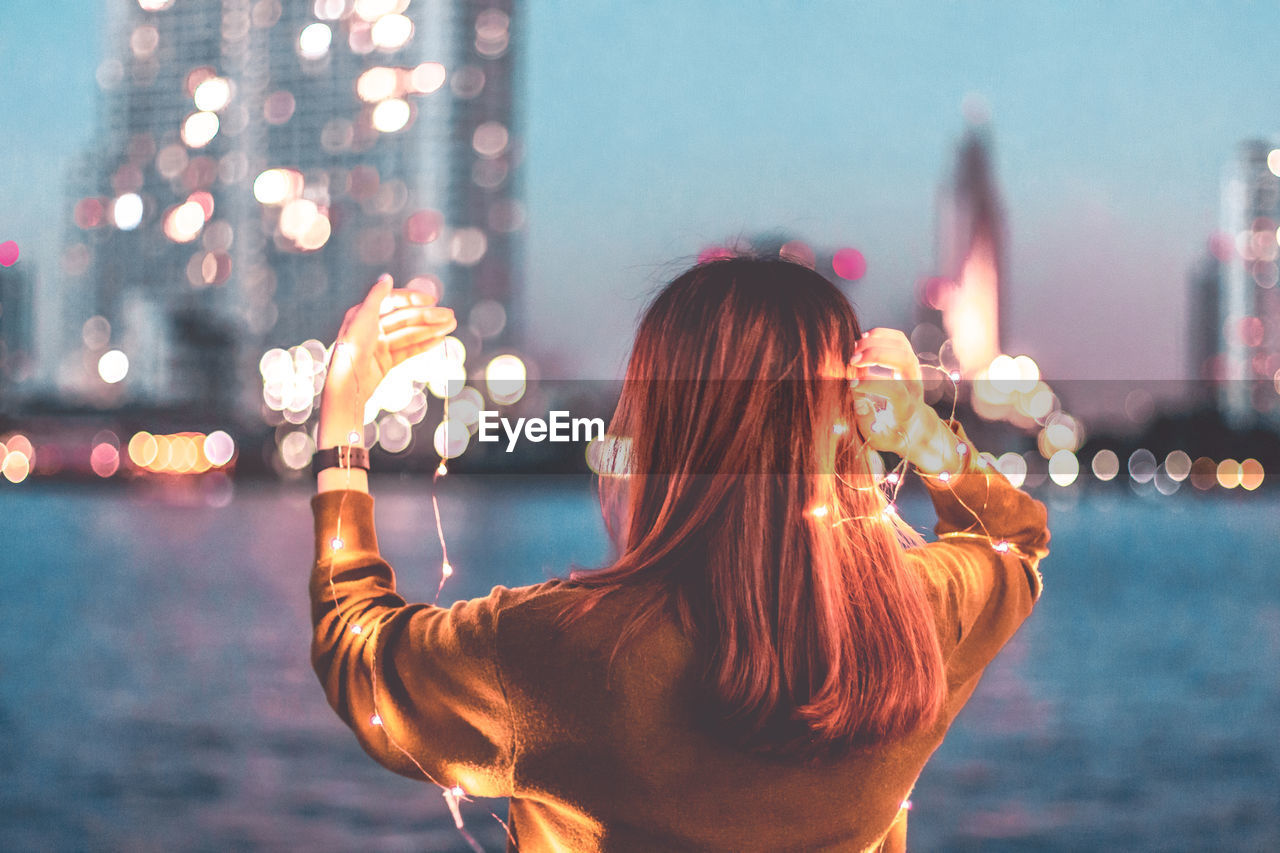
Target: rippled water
(155, 690)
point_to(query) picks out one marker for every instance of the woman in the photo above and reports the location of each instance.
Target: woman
(765, 666)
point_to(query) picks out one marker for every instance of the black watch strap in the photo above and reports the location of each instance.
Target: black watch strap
(343, 456)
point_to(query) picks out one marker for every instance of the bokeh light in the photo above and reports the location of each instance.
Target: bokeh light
(391, 115)
(8, 253)
(219, 448)
(1204, 474)
(1064, 467)
(275, 186)
(505, 378)
(377, 84)
(104, 460)
(1178, 465)
(126, 211)
(1106, 465)
(183, 223)
(1251, 474)
(314, 41)
(849, 264)
(451, 438)
(1142, 465)
(427, 77)
(199, 129)
(391, 32)
(213, 95)
(1229, 473)
(113, 366)
(1014, 468)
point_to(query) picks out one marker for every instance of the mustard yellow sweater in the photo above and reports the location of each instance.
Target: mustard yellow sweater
(491, 696)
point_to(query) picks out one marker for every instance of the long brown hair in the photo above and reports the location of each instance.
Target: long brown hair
(749, 505)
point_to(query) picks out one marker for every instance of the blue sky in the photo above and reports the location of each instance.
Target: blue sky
(654, 127)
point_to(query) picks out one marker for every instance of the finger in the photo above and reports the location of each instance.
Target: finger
(884, 354)
(415, 316)
(417, 334)
(404, 353)
(373, 300)
(402, 297)
(883, 333)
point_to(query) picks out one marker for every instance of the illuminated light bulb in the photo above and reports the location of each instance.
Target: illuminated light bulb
(442, 469)
(819, 511)
(892, 478)
(336, 544)
(840, 428)
(457, 791)
(356, 629)
(375, 720)
(962, 449)
(890, 511)
(353, 437)
(944, 477)
(906, 804)
(1001, 546)
(955, 375)
(446, 570)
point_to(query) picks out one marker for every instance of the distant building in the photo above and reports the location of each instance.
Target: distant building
(1248, 310)
(261, 163)
(17, 332)
(1204, 331)
(964, 302)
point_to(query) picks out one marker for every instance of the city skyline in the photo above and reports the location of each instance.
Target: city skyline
(1103, 210)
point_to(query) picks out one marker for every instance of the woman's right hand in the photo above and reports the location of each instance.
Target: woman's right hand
(890, 410)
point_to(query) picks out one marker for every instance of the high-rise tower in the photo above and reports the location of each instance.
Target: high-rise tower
(965, 300)
(261, 162)
(1248, 316)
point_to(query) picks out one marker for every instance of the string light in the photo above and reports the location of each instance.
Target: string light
(453, 795)
(883, 421)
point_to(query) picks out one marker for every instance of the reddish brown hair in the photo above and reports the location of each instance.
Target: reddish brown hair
(749, 506)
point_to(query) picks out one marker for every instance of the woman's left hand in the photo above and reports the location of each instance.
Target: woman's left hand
(388, 327)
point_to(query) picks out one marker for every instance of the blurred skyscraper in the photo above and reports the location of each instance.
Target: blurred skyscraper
(261, 162)
(964, 302)
(17, 332)
(1246, 322)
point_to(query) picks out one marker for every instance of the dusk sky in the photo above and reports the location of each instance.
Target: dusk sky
(655, 128)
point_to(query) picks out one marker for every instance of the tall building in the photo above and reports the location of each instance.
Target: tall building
(1204, 331)
(963, 303)
(17, 333)
(262, 162)
(1248, 316)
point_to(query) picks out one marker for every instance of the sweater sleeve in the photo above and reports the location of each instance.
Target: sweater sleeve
(985, 564)
(418, 684)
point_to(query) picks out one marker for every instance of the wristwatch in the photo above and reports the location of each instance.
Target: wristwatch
(343, 456)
